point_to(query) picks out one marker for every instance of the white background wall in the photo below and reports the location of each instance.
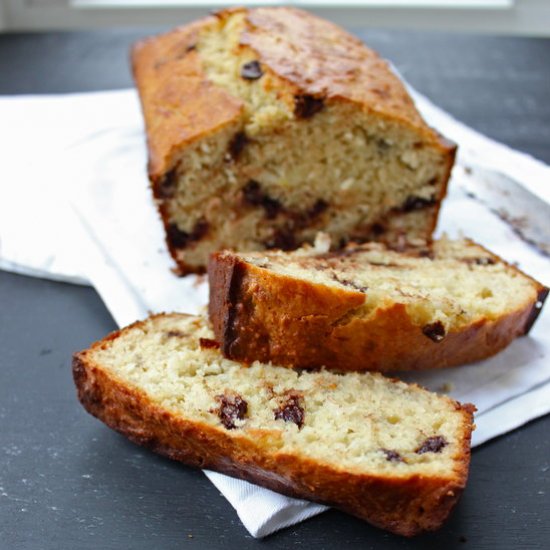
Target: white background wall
(521, 17)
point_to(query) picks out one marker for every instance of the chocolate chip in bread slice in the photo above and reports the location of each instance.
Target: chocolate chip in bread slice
(388, 452)
(267, 125)
(369, 307)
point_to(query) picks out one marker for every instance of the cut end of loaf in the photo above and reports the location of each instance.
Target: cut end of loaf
(340, 148)
(391, 453)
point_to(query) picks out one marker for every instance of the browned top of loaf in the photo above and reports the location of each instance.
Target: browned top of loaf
(310, 55)
(179, 103)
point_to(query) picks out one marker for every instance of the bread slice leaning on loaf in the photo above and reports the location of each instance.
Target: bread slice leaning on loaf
(369, 307)
(267, 125)
(388, 452)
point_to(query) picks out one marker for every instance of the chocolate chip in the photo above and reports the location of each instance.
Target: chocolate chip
(318, 208)
(392, 456)
(176, 334)
(236, 145)
(181, 239)
(283, 239)
(291, 410)
(208, 343)
(254, 195)
(271, 207)
(166, 188)
(417, 203)
(300, 220)
(232, 407)
(200, 230)
(433, 181)
(426, 253)
(347, 282)
(377, 229)
(305, 106)
(251, 70)
(481, 261)
(434, 331)
(433, 444)
(176, 237)
(382, 145)
(343, 242)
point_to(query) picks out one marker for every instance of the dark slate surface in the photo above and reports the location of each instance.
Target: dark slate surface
(66, 481)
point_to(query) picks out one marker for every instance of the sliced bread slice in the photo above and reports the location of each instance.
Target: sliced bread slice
(369, 307)
(388, 452)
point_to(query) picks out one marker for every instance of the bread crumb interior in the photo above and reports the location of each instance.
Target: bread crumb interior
(455, 282)
(352, 421)
(341, 170)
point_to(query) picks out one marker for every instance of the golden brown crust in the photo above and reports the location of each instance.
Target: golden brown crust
(179, 103)
(322, 60)
(406, 506)
(272, 317)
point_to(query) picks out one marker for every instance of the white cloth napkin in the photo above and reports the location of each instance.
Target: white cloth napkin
(38, 132)
(78, 163)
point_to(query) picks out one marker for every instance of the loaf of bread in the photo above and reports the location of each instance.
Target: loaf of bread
(266, 125)
(391, 453)
(368, 307)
